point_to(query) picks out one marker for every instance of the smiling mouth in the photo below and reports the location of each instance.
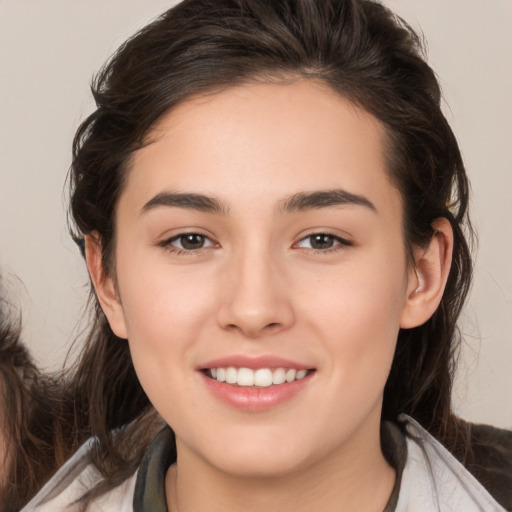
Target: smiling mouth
(258, 378)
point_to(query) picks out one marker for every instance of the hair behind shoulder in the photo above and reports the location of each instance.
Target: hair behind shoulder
(36, 434)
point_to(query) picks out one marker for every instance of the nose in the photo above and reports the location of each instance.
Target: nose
(256, 300)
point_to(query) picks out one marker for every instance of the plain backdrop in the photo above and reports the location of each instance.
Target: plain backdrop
(49, 51)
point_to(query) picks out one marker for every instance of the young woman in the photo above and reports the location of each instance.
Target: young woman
(274, 213)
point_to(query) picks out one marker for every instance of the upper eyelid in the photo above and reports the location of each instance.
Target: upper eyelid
(188, 233)
(184, 232)
(343, 236)
(341, 239)
(325, 233)
(168, 242)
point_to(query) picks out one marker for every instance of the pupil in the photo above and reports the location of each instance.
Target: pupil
(321, 241)
(192, 241)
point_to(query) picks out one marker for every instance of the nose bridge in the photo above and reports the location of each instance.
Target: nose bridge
(255, 300)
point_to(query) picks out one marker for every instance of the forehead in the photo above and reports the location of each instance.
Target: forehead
(298, 137)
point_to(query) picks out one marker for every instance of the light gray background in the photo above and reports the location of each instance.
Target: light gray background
(50, 49)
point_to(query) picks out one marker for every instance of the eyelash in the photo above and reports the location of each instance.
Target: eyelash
(340, 243)
(167, 244)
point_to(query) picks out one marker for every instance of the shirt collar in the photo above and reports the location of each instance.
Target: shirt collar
(149, 495)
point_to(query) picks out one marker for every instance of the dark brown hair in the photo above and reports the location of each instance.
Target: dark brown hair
(36, 436)
(359, 49)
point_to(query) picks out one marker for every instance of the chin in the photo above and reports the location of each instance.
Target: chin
(260, 465)
(252, 456)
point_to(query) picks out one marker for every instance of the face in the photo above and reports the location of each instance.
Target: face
(259, 240)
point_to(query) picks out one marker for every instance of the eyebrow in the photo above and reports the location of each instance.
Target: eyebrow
(324, 199)
(297, 202)
(197, 202)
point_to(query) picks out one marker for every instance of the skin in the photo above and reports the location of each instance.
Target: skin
(258, 287)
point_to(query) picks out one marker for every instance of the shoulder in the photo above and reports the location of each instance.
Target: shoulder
(62, 493)
(490, 460)
(433, 479)
(143, 491)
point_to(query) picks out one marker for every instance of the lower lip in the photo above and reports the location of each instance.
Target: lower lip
(256, 399)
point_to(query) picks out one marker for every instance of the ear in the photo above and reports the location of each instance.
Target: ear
(427, 277)
(104, 285)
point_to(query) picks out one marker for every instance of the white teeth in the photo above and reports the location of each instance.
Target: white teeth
(262, 377)
(290, 375)
(245, 377)
(279, 376)
(300, 374)
(231, 375)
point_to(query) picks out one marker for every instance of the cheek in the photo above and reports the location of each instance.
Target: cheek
(164, 318)
(364, 295)
(358, 313)
(165, 310)
(158, 297)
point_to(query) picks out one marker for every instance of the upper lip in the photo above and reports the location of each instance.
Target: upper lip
(253, 362)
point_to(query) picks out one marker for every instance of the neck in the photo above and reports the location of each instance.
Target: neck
(351, 480)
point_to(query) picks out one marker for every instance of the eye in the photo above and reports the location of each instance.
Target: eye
(187, 242)
(322, 242)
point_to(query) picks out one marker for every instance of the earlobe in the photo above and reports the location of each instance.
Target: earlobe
(104, 286)
(427, 278)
